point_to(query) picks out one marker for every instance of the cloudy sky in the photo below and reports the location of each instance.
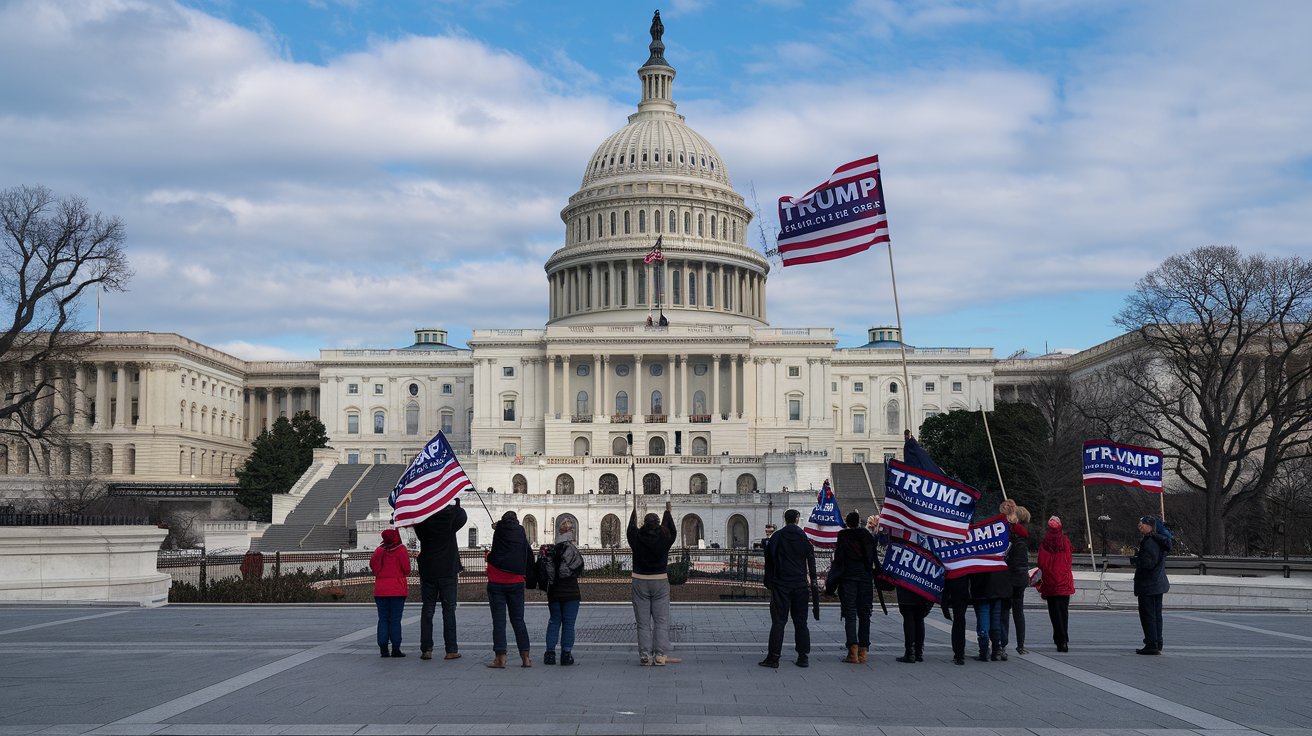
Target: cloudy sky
(299, 174)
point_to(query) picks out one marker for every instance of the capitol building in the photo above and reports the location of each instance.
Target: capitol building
(650, 380)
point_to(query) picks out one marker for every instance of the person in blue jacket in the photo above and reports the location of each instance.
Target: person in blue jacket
(1150, 583)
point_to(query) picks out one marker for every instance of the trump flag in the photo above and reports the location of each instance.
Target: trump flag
(433, 480)
(843, 216)
(826, 521)
(1122, 465)
(984, 551)
(918, 500)
(908, 566)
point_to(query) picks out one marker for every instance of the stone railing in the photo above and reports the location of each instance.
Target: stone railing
(621, 418)
(580, 418)
(656, 418)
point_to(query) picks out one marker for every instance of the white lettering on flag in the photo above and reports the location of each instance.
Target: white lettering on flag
(432, 481)
(1113, 463)
(841, 217)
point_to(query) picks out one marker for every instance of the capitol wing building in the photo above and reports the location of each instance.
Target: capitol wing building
(653, 379)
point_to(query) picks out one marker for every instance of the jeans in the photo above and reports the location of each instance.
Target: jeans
(785, 602)
(1014, 607)
(433, 591)
(389, 619)
(959, 628)
(913, 625)
(651, 614)
(503, 598)
(1059, 612)
(988, 623)
(1150, 617)
(561, 624)
(858, 600)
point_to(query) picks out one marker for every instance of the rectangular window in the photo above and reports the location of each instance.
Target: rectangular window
(931, 413)
(380, 423)
(135, 417)
(889, 456)
(508, 410)
(380, 457)
(446, 423)
(508, 448)
(448, 389)
(473, 537)
(956, 387)
(353, 424)
(858, 457)
(352, 388)
(794, 371)
(858, 387)
(113, 376)
(930, 387)
(508, 372)
(833, 386)
(352, 457)
(794, 410)
(859, 423)
(136, 376)
(378, 389)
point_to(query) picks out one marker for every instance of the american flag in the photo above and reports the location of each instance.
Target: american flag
(826, 521)
(430, 484)
(655, 254)
(843, 216)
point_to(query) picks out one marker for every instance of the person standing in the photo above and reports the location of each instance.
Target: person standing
(1150, 582)
(651, 584)
(1018, 565)
(507, 563)
(439, 576)
(852, 571)
(390, 564)
(956, 600)
(1057, 583)
(914, 608)
(564, 563)
(789, 567)
(987, 591)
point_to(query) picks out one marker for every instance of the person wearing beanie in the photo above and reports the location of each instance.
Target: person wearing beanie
(651, 585)
(852, 574)
(1018, 565)
(439, 576)
(1057, 584)
(564, 563)
(507, 564)
(1150, 582)
(390, 564)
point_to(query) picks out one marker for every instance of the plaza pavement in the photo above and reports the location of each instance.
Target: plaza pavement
(316, 669)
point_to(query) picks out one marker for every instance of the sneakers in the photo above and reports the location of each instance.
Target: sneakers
(396, 652)
(566, 659)
(1020, 649)
(426, 654)
(644, 660)
(803, 661)
(452, 655)
(1151, 651)
(959, 660)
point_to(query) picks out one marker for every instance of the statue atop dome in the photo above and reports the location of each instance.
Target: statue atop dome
(657, 46)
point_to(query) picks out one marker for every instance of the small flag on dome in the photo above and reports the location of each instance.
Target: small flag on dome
(655, 254)
(825, 522)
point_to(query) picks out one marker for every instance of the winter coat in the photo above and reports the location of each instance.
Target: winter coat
(1055, 563)
(510, 552)
(1018, 556)
(390, 564)
(651, 544)
(989, 586)
(855, 555)
(956, 592)
(1150, 565)
(908, 598)
(564, 563)
(439, 552)
(789, 559)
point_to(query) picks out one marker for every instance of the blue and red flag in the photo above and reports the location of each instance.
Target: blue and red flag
(984, 551)
(843, 216)
(918, 500)
(907, 565)
(1112, 463)
(826, 521)
(433, 480)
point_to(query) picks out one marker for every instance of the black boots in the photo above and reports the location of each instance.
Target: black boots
(920, 652)
(383, 648)
(566, 659)
(770, 661)
(908, 656)
(549, 657)
(396, 652)
(803, 661)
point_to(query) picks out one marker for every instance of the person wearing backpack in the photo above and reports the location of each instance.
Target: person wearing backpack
(560, 574)
(1150, 582)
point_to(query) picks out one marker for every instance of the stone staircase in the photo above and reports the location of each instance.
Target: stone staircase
(858, 486)
(321, 521)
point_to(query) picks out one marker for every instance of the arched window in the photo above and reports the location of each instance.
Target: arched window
(699, 402)
(353, 423)
(622, 402)
(746, 483)
(892, 388)
(600, 232)
(642, 221)
(656, 220)
(676, 280)
(581, 446)
(674, 222)
(626, 222)
(735, 229)
(724, 228)
(531, 529)
(565, 484)
(610, 530)
(642, 286)
(588, 228)
(687, 223)
(380, 422)
(892, 416)
(581, 404)
(713, 230)
(738, 532)
(612, 223)
(656, 446)
(657, 406)
(608, 484)
(651, 484)
(518, 484)
(697, 484)
(619, 446)
(693, 531)
(692, 288)
(700, 446)
(446, 418)
(412, 417)
(701, 225)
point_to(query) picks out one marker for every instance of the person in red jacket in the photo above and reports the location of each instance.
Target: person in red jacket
(1057, 583)
(390, 563)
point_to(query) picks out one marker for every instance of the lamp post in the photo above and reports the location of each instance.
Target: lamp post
(1103, 521)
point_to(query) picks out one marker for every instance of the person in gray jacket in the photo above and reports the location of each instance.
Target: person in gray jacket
(563, 565)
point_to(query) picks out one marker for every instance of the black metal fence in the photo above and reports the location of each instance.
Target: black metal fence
(72, 520)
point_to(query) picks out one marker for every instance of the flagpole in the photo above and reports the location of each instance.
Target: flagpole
(984, 413)
(1088, 526)
(901, 341)
(1161, 504)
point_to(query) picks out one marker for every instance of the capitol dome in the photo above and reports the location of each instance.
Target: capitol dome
(656, 180)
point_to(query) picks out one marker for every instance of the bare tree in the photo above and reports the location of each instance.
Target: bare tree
(72, 494)
(52, 253)
(1217, 374)
(1055, 462)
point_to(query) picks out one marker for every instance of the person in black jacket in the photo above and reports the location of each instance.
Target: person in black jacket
(508, 562)
(1018, 565)
(852, 574)
(651, 584)
(1150, 583)
(790, 577)
(987, 591)
(914, 608)
(439, 570)
(956, 600)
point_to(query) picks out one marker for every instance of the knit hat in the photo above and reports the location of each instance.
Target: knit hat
(1149, 520)
(391, 537)
(1054, 522)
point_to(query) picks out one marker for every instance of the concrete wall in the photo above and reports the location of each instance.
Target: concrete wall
(82, 564)
(1198, 592)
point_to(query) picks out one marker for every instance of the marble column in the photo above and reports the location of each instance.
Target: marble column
(684, 403)
(551, 387)
(596, 384)
(143, 394)
(733, 386)
(121, 407)
(102, 395)
(270, 409)
(715, 387)
(248, 411)
(80, 396)
(603, 400)
(641, 405)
